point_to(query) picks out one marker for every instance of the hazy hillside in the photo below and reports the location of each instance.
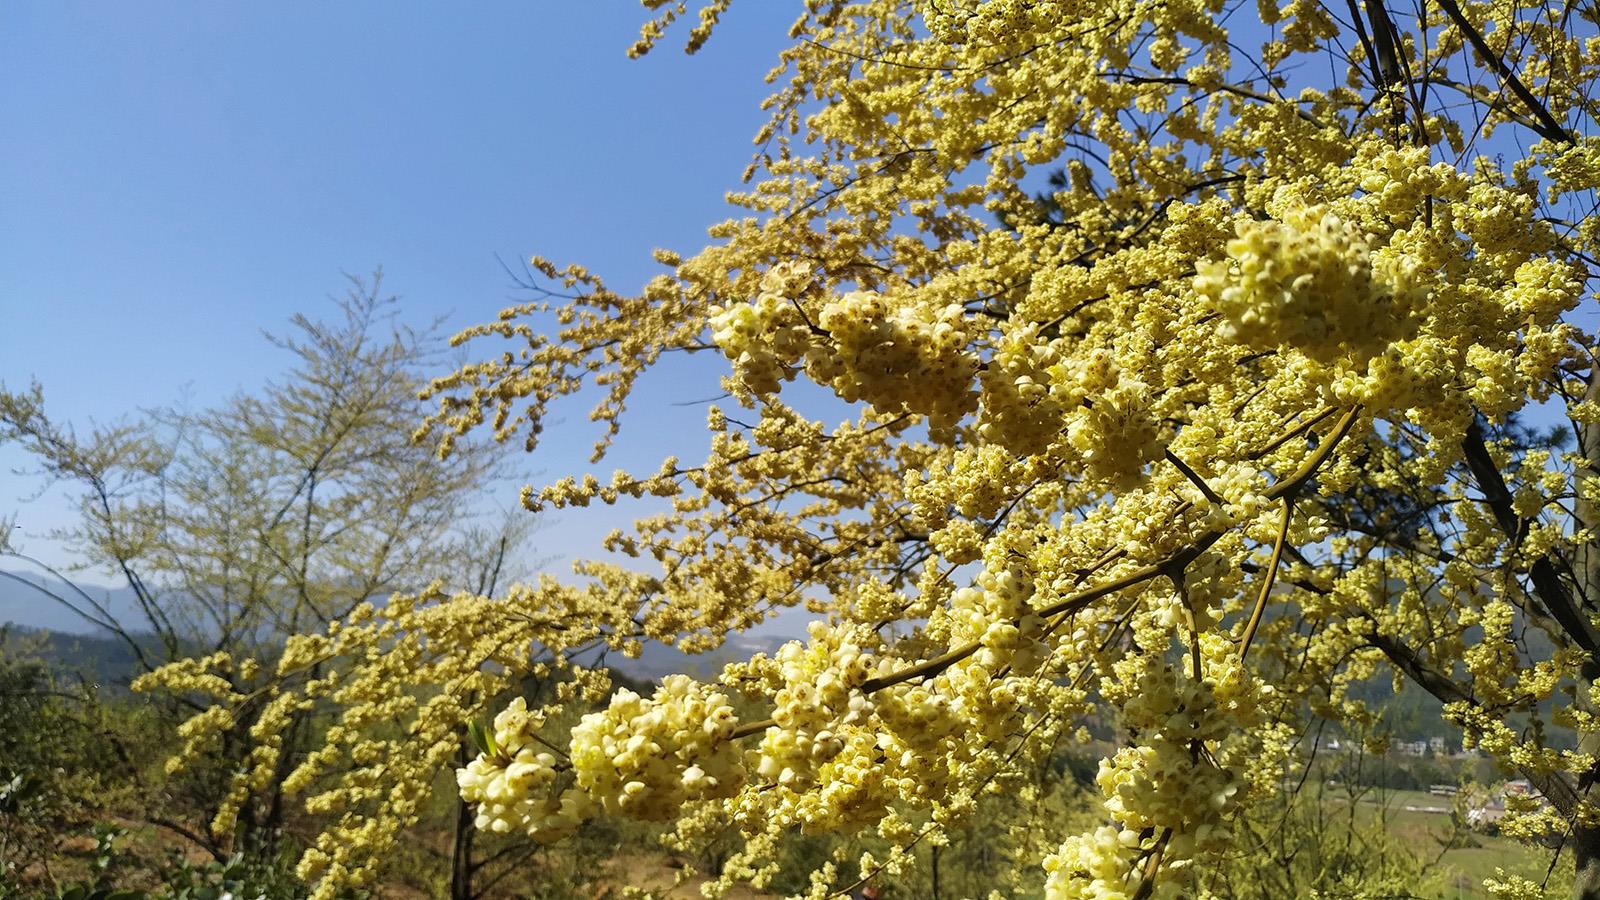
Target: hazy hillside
(111, 662)
(23, 603)
(101, 660)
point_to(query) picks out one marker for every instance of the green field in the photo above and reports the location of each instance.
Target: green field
(1459, 858)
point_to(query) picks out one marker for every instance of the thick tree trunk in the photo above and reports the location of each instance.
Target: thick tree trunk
(1586, 573)
(461, 867)
(1586, 838)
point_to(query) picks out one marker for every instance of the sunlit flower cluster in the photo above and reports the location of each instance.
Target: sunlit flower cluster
(861, 343)
(511, 785)
(1305, 282)
(647, 758)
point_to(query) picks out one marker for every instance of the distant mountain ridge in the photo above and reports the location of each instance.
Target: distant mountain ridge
(109, 662)
(26, 606)
(31, 611)
(23, 603)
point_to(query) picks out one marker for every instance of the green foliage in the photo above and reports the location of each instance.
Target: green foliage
(1320, 840)
(238, 877)
(111, 868)
(64, 754)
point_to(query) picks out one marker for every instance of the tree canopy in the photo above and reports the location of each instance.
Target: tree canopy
(1184, 345)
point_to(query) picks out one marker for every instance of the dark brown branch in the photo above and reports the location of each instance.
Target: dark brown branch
(1545, 124)
(1552, 785)
(1547, 582)
(1221, 87)
(1194, 478)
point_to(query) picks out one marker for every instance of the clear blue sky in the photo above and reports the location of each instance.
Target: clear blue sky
(176, 177)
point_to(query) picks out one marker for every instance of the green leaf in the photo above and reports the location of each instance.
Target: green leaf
(481, 739)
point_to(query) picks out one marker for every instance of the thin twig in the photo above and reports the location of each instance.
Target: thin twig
(1272, 576)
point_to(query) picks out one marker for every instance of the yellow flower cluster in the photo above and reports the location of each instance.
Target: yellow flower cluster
(821, 691)
(765, 337)
(1024, 401)
(1167, 784)
(1118, 434)
(1099, 865)
(647, 758)
(997, 615)
(1305, 282)
(511, 786)
(896, 357)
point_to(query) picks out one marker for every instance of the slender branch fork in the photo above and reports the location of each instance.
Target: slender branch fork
(1173, 564)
